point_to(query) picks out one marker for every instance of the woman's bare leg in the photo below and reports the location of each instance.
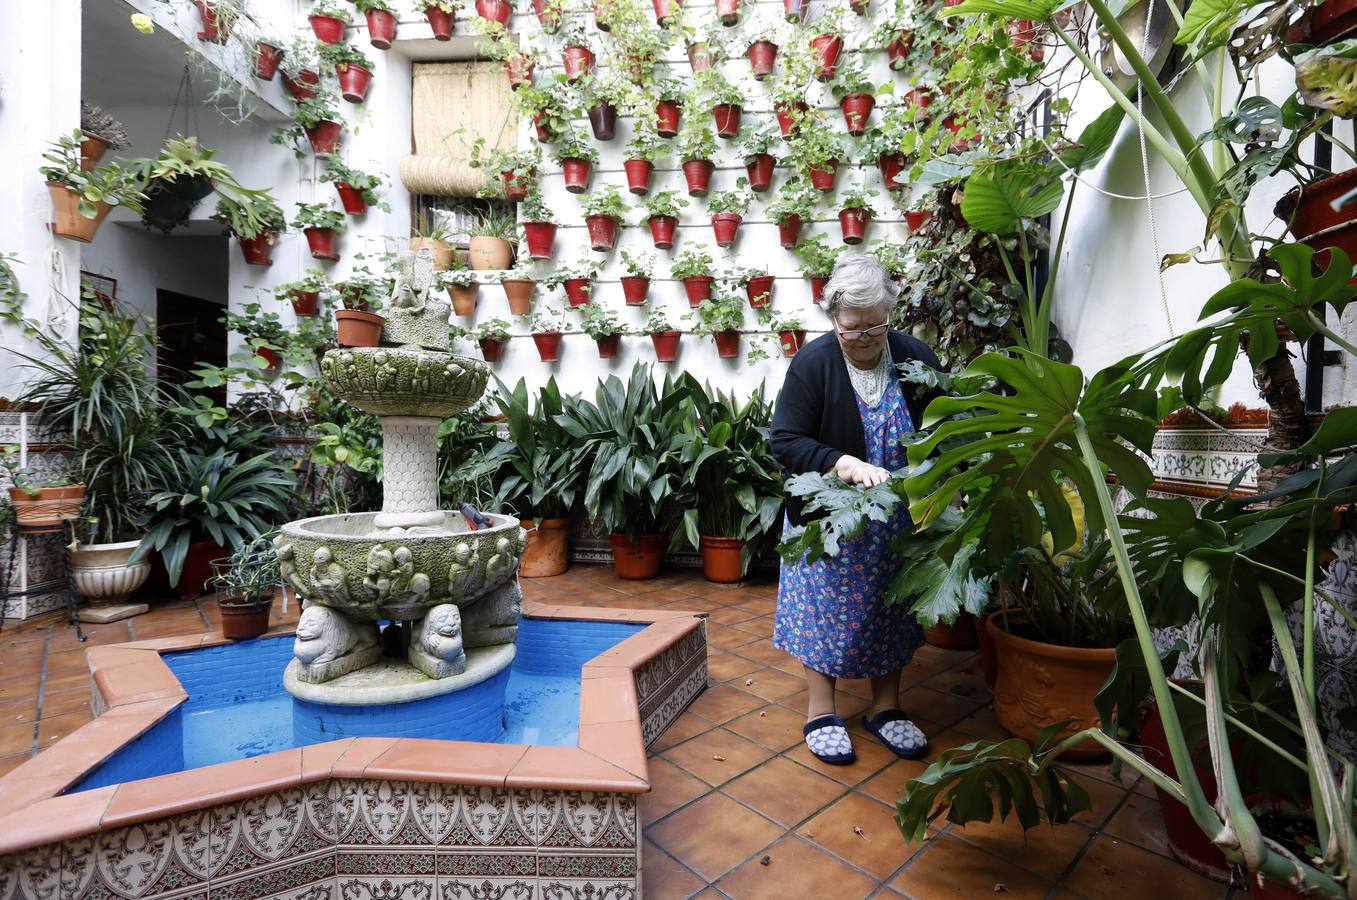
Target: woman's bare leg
(885, 693)
(819, 694)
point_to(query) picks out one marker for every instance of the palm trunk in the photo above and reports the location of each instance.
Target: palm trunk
(1280, 390)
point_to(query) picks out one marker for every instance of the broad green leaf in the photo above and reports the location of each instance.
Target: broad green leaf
(1327, 77)
(1337, 431)
(1095, 140)
(1000, 200)
(1036, 10)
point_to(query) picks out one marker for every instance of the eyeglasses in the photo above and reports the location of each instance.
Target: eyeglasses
(874, 332)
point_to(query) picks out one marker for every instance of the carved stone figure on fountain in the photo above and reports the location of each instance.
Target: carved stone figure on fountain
(329, 644)
(493, 619)
(414, 315)
(437, 650)
(327, 580)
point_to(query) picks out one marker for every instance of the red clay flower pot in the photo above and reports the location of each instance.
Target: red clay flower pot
(607, 345)
(576, 172)
(637, 562)
(579, 291)
(857, 109)
(759, 289)
(1324, 23)
(256, 249)
(787, 116)
(492, 348)
(817, 288)
(602, 232)
(516, 186)
(728, 11)
(495, 10)
(667, 113)
(697, 172)
(891, 165)
(321, 242)
(698, 288)
(960, 635)
(464, 298)
(1023, 33)
(859, 6)
(635, 288)
(916, 219)
(303, 87)
(919, 98)
(214, 30)
(727, 119)
(788, 230)
(760, 170)
(519, 69)
(666, 345)
(727, 344)
(638, 175)
(603, 121)
(897, 51)
(381, 28)
(357, 328)
(548, 16)
(700, 56)
(324, 136)
(823, 179)
(853, 223)
(662, 231)
(726, 226)
(266, 60)
(762, 58)
(826, 49)
(519, 291)
(351, 198)
(664, 11)
(354, 82)
(244, 621)
(1313, 204)
(542, 128)
(441, 23)
(270, 356)
(577, 61)
(305, 303)
(794, 10)
(722, 559)
(548, 345)
(541, 236)
(791, 341)
(328, 29)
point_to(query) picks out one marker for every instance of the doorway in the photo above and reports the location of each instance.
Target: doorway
(191, 333)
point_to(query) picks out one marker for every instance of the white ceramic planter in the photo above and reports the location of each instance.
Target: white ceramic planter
(102, 573)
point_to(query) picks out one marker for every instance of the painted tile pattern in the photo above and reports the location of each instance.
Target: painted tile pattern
(39, 562)
(668, 683)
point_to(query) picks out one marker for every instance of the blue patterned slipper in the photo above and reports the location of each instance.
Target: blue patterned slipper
(901, 736)
(827, 738)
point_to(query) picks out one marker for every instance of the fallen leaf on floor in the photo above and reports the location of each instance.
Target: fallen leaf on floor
(765, 861)
(1000, 888)
(762, 714)
(857, 829)
(718, 757)
(749, 681)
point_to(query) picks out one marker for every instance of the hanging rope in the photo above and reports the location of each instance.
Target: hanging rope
(183, 96)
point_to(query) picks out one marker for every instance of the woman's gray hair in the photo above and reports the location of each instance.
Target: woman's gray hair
(859, 281)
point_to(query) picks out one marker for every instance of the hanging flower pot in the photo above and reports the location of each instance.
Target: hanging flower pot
(541, 236)
(492, 348)
(354, 81)
(607, 345)
(662, 231)
(760, 170)
(215, 30)
(762, 58)
(700, 56)
(601, 17)
(256, 249)
(548, 15)
(548, 345)
(727, 118)
(794, 10)
(579, 291)
(826, 49)
(817, 288)
(602, 232)
(542, 127)
(576, 172)
(266, 60)
(635, 288)
(441, 23)
(725, 226)
(897, 51)
(519, 69)
(728, 11)
(698, 288)
(603, 121)
(322, 243)
(68, 222)
(1309, 209)
(759, 289)
(495, 10)
(351, 198)
(667, 114)
(859, 6)
(92, 149)
(891, 165)
(328, 29)
(823, 179)
(303, 87)
(857, 109)
(664, 11)
(791, 341)
(305, 303)
(788, 230)
(1023, 33)
(853, 223)
(697, 172)
(485, 253)
(638, 175)
(1324, 23)
(464, 298)
(577, 61)
(916, 219)
(666, 345)
(519, 291)
(324, 136)
(727, 344)
(788, 114)
(381, 28)
(516, 187)
(919, 98)
(358, 328)
(270, 357)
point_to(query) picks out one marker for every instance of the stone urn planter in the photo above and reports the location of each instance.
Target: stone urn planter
(105, 578)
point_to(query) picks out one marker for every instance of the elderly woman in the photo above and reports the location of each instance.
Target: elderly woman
(844, 409)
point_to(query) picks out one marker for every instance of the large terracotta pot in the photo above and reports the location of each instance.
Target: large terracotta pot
(960, 635)
(49, 507)
(441, 251)
(196, 576)
(519, 291)
(102, 573)
(1041, 684)
(489, 253)
(241, 621)
(358, 328)
(547, 552)
(989, 657)
(721, 559)
(67, 221)
(637, 563)
(464, 299)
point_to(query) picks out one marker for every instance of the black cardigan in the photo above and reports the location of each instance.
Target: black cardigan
(816, 417)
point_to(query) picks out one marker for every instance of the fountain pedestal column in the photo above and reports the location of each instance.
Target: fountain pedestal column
(410, 473)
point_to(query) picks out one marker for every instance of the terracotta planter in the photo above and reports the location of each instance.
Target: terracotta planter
(728, 11)
(441, 251)
(603, 121)
(823, 179)
(256, 249)
(638, 175)
(351, 198)
(960, 635)
(787, 114)
(495, 10)
(240, 622)
(441, 23)
(857, 109)
(67, 221)
(722, 559)
(760, 171)
(788, 230)
(602, 232)
(305, 303)
(579, 291)
(700, 56)
(266, 60)
(577, 61)
(727, 119)
(547, 552)
(637, 562)
(1313, 204)
(1023, 33)
(989, 657)
(358, 328)
(464, 299)
(214, 30)
(916, 219)
(1324, 23)
(548, 16)
(542, 128)
(519, 70)
(541, 238)
(50, 507)
(324, 136)
(817, 288)
(485, 253)
(666, 345)
(697, 172)
(698, 288)
(381, 28)
(727, 344)
(762, 59)
(92, 149)
(667, 115)
(519, 291)
(516, 187)
(664, 11)
(759, 290)
(492, 348)
(354, 81)
(662, 231)
(891, 165)
(328, 29)
(303, 87)
(195, 579)
(608, 345)
(548, 345)
(897, 51)
(794, 10)
(635, 288)
(272, 360)
(919, 98)
(853, 223)
(726, 226)
(576, 173)
(1041, 684)
(791, 341)
(826, 48)
(322, 243)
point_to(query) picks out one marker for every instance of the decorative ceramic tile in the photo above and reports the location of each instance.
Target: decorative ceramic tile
(370, 862)
(588, 889)
(474, 867)
(1337, 692)
(325, 890)
(487, 889)
(536, 813)
(433, 808)
(40, 873)
(332, 807)
(385, 888)
(593, 819)
(273, 824)
(484, 819)
(306, 878)
(384, 808)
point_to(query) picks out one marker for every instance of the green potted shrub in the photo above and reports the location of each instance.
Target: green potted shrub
(81, 199)
(720, 317)
(663, 335)
(817, 263)
(725, 100)
(577, 279)
(795, 205)
(602, 324)
(662, 211)
(693, 266)
(603, 214)
(856, 95)
(636, 283)
(756, 283)
(357, 189)
(352, 69)
(246, 582)
(321, 224)
(255, 219)
(790, 332)
(818, 150)
(328, 20)
(727, 210)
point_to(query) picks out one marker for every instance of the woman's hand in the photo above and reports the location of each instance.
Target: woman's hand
(855, 471)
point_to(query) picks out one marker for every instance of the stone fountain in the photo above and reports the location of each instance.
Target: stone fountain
(446, 586)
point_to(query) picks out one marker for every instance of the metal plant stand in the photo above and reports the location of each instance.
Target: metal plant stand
(45, 532)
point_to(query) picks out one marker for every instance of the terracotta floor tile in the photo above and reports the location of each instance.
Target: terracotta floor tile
(670, 788)
(872, 758)
(1113, 868)
(721, 637)
(963, 681)
(1140, 821)
(862, 831)
(20, 709)
(784, 791)
(763, 651)
(665, 878)
(760, 626)
(773, 726)
(983, 724)
(687, 725)
(730, 616)
(31, 664)
(69, 682)
(1104, 798)
(714, 834)
(948, 868)
(726, 666)
(16, 738)
(722, 703)
(771, 684)
(59, 703)
(795, 868)
(57, 727)
(946, 709)
(1046, 850)
(888, 785)
(765, 606)
(20, 687)
(10, 763)
(717, 756)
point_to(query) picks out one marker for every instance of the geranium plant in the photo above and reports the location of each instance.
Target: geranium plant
(664, 203)
(336, 171)
(692, 262)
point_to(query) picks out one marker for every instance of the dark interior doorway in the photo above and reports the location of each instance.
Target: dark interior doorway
(191, 333)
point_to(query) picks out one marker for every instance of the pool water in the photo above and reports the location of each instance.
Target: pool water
(237, 706)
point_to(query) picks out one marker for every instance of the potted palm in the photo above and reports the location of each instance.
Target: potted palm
(462, 287)
(817, 262)
(491, 244)
(603, 213)
(81, 199)
(663, 335)
(727, 210)
(756, 149)
(662, 211)
(855, 213)
(519, 287)
(795, 204)
(352, 68)
(357, 189)
(696, 147)
(492, 336)
(328, 20)
(442, 15)
(432, 235)
(636, 283)
(693, 266)
(304, 294)
(246, 582)
(382, 21)
(642, 150)
(255, 219)
(321, 224)
(602, 324)
(720, 317)
(577, 158)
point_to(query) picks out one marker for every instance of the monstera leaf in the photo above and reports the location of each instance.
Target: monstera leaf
(1327, 77)
(843, 511)
(1002, 199)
